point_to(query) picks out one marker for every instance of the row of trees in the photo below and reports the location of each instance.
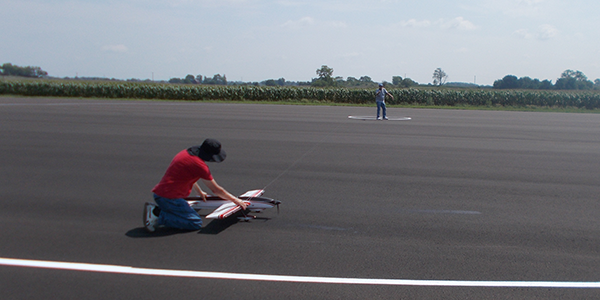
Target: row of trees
(199, 79)
(325, 79)
(9, 69)
(569, 80)
(219, 79)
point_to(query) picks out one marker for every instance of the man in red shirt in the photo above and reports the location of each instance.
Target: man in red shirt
(186, 168)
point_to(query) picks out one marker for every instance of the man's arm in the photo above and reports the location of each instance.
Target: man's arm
(200, 192)
(217, 190)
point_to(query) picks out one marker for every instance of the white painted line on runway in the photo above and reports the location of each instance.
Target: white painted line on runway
(375, 118)
(440, 211)
(284, 278)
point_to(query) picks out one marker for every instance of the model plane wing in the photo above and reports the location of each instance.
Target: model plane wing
(225, 210)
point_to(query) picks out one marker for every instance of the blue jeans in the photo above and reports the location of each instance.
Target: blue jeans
(381, 106)
(177, 213)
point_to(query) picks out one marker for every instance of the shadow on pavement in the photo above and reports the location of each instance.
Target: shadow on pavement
(214, 227)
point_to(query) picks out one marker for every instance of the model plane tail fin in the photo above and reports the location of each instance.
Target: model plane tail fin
(253, 193)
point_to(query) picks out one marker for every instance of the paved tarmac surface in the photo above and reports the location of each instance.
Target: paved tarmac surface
(449, 195)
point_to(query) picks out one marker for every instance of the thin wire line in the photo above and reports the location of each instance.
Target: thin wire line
(301, 157)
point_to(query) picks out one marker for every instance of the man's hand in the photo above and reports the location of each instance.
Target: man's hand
(222, 193)
(200, 192)
(242, 204)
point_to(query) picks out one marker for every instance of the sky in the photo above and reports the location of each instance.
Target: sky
(477, 41)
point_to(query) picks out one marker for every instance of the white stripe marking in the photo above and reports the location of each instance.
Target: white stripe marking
(374, 118)
(283, 278)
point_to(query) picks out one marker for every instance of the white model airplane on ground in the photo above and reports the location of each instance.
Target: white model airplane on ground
(224, 208)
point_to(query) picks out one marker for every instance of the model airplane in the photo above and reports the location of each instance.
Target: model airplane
(224, 208)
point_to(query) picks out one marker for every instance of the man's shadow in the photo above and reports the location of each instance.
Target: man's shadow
(214, 227)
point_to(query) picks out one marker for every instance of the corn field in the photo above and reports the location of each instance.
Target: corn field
(413, 96)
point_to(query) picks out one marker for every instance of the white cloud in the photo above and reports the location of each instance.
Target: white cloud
(544, 32)
(457, 23)
(516, 8)
(337, 24)
(525, 8)
(310, 21)
(290, 3)
(203, 3)
(303, 22)
(524, 33)
(115, 48)
(351, 55)
(413, 23)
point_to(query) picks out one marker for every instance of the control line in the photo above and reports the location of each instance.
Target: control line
(85, 267)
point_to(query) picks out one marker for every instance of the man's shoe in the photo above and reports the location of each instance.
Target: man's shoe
(385, 118)
(150, 219)
(378, 118)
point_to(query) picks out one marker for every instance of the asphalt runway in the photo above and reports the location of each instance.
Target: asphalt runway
(450, 196)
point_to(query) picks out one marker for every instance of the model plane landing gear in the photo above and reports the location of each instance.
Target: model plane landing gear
(246, 218)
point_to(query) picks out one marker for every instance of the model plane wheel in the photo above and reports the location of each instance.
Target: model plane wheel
(246, 218)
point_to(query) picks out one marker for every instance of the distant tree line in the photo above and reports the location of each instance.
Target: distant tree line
(569, 80)
(325, 79)
(9, 69)
(281, 82)
(199, 79)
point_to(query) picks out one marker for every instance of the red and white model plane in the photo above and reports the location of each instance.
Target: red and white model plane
(224, 208)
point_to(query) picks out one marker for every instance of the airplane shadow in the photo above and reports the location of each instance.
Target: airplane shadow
(141, 232)
(214, 227)
(217, 226)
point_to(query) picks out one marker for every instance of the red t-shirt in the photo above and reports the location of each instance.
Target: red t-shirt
(182, 173)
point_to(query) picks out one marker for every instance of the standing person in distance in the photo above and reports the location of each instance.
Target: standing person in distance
(186, 168)
(380, 99)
